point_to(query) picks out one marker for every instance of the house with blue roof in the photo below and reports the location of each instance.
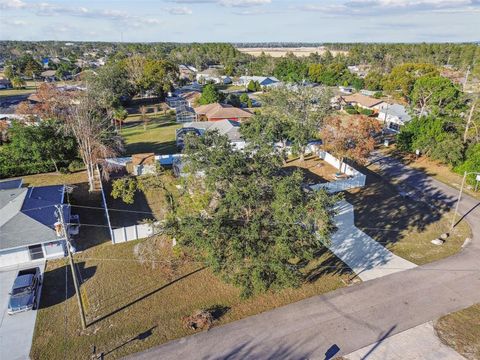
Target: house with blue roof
(28, 221)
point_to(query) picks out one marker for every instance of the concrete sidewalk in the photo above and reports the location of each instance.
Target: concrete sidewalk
(365, 256)
(417, 343)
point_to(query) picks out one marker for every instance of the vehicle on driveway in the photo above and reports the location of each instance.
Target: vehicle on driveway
(25, 289)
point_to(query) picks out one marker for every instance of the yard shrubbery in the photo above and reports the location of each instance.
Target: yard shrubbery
(37, 149)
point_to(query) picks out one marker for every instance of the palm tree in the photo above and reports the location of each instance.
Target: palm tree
(119, 115)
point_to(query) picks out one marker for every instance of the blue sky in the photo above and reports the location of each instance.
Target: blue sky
(241, 20)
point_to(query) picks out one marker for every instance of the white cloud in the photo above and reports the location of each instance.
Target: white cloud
(12, 4)
(244, 3)
(180, 10)
(387, 7)
(229, 3)
(14, 22)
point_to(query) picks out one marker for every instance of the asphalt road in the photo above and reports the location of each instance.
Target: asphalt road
(350, 318)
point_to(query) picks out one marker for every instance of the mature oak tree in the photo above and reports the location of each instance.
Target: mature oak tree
(261, 225)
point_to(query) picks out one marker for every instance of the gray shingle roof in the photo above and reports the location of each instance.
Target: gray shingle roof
(224, 127)
(27, 215)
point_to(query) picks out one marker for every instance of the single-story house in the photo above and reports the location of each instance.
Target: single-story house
(212, 75)
(264, 81)
(394, 116)
(28, 221)
(5, 84)
(217, 111)
(229, 128)
(362, 101)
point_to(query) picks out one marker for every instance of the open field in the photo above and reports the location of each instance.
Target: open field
(461, 331)
(282, 51)
(159, 137)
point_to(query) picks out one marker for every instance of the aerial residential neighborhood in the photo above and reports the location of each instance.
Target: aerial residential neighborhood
(240, 179)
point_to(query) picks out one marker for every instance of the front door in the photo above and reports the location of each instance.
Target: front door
(36, 252)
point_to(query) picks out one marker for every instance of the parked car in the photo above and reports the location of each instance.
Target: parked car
(24, 293)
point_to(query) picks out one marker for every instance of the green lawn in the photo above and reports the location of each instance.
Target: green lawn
(461, 331)
(159, 137)
(13, 92)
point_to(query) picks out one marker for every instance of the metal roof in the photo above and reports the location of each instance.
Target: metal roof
(11, 184)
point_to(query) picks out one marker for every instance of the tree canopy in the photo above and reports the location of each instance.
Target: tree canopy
(260, 226)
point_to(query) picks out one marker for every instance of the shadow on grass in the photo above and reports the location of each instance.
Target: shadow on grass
(58, 284)
(122, 214)
(385, 210)
(143, 297)
(140, 337)
(94, 227)
(331, 266)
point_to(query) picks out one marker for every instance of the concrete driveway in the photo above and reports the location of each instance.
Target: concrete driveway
(16, 331)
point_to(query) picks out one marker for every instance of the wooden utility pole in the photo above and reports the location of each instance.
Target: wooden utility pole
(72, 265)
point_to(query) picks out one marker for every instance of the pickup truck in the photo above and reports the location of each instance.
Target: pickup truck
(24, 293)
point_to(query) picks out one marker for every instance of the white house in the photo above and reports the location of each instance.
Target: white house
(394, 116)
(264, 81)
(27, 223)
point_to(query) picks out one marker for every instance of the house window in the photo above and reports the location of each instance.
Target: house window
(36, 252)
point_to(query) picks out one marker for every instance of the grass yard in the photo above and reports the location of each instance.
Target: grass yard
(403, 225)
(134, 307)
(54, 179)
(13, 92)
(461, 331)
(131, 306)
(314, 169)
(159, 137)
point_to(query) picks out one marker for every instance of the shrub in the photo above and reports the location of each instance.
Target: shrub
(76, 165)
(366, 112)
(351, 110)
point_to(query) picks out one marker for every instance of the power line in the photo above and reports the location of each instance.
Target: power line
(423, 268)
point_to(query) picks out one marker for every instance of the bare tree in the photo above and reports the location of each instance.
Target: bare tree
(89, 123)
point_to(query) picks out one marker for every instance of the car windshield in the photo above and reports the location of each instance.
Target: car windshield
(22, 290)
